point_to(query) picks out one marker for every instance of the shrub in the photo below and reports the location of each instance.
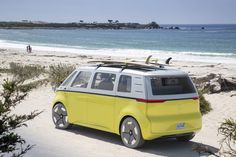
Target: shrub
(10, 142)
(24, 72)
(58, 73)
(205, 106)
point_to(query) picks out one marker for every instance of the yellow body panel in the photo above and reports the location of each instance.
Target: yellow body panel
(106, 113)
(100, 111)
(165, 116)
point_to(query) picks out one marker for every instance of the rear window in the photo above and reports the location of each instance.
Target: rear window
(171, 85)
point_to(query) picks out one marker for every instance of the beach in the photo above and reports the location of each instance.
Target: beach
(81, 141)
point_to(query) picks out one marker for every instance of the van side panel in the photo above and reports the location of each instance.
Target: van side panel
(130, 107)
(77, 106)
(100, 111)
(165, 117)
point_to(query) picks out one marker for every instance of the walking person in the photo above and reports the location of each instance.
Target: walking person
(27, 48)
(30, 49)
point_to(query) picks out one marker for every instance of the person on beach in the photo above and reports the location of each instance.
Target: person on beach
(28, 49)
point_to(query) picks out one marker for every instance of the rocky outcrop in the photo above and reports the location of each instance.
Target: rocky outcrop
(215, 83)
(152, 25)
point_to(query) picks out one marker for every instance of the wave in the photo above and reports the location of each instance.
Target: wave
(210, 57)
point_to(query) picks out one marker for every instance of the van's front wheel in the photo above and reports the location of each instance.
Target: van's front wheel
(59, 116)
(131, 133)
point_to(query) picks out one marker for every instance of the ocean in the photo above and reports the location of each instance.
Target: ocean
(211, 43)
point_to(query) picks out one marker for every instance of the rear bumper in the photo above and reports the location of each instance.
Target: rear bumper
(159, 127)
(152, 136)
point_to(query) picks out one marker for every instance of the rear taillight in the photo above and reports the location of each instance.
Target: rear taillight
(160, 101)
(150, 101)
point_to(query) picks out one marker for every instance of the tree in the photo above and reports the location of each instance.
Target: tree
(81, 21)
(110, 21)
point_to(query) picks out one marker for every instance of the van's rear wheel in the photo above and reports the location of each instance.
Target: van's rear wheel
(59, 116)
(131, 133)
(185, 138)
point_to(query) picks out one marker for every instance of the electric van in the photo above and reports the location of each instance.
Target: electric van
(136, 101)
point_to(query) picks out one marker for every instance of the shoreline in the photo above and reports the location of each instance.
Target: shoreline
(214, 58)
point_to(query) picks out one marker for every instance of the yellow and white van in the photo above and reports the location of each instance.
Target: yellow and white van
(137, 101)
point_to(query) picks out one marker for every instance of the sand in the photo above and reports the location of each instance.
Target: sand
(81, 141)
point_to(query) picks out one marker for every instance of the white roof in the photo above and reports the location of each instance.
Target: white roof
(166, 71)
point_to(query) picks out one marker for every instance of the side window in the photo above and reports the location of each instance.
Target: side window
(81, 80)
(104, 81)
(125, 84)
(67, 81)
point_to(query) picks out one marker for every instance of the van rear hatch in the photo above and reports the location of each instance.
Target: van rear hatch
(172, 105)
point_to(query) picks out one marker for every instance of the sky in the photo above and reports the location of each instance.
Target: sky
(141, 11)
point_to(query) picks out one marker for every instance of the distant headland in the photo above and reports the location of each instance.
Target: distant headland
(24, 24)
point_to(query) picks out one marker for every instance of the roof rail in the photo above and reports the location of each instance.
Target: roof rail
(126, 65)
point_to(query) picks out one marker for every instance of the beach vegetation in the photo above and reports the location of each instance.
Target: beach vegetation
(227, 144)
(228, 130)
(13, 93)
(25, 72)
(205, 106)
(38, 75)
(58, 73)
(4, 70)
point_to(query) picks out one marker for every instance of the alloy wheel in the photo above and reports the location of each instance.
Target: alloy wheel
(130, 133)
(59, 116)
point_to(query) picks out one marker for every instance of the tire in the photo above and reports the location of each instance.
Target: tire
(185, 138)
(131, 133)
(59, 116)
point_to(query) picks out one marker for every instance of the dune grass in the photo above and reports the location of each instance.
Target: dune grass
(25, 72)
(228, 143)
(58, 73)
(54, 74)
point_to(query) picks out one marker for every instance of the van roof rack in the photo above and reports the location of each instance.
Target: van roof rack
(127, 65)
